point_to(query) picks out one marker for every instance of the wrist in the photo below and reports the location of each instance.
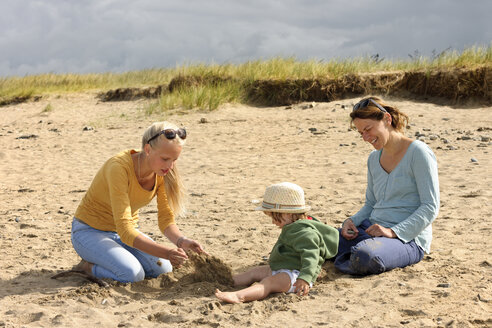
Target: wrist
(346, 220)
(180, 240)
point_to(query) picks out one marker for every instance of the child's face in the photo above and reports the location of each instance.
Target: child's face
(284, 219)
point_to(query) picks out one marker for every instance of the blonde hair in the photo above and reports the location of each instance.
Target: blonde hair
(278, 216)
(173, 184)
(399, 120)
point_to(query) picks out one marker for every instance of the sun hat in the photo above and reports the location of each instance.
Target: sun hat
(285, 197)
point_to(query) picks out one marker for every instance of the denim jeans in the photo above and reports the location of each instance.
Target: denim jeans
(366, 255)
(112, 258)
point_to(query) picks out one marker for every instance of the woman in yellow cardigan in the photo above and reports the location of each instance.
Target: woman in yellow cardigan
(105, 226)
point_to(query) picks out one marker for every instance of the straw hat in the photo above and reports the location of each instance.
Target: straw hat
(284, 197)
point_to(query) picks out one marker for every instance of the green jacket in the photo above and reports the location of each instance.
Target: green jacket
(304, 245)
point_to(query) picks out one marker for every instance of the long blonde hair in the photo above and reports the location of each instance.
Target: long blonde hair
(173, 184)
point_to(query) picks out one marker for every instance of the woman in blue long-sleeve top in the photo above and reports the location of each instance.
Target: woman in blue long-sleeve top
(394, 227)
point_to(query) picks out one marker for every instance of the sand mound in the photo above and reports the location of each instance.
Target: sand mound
(205, 268)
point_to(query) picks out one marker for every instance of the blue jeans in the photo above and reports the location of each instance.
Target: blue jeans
(112, 258)
(366, 255)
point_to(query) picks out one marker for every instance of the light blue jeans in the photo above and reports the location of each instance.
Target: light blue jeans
(112, 258)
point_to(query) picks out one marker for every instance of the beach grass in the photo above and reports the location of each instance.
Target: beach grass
(234, 89)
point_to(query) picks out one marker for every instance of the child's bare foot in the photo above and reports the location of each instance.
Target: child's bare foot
(229, 297)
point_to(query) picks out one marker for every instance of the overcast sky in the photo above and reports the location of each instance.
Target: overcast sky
(82, 36)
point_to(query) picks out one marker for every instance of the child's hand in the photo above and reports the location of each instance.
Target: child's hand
(302, 287)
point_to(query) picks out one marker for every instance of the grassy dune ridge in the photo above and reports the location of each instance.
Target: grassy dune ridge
(209, 86)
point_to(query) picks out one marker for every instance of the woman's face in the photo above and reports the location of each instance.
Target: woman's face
(374, 132)
(162, 156)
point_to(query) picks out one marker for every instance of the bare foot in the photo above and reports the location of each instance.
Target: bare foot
(84, 266)
(229, 297)
(83, 269)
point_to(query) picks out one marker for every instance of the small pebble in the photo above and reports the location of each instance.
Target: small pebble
(474, 160)
(17, 219)
(444, 285)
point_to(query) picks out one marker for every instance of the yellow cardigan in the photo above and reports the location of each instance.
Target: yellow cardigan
(112, 201)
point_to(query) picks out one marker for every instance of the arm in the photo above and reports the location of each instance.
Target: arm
(120, 203)
(168, 226)
(349, 226)
(306, 244)
(147, 245)
(366, 210)
(424, 168)
(118, 182)
(174, 235)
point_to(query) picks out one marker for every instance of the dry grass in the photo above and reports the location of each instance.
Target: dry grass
(209, 86)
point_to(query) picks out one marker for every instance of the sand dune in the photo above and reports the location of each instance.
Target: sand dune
(48, 159)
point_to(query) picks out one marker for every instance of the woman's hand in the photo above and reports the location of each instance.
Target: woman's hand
(377, 230)
(349, 230)
(302, 287)
(190, 244)
(177, 256)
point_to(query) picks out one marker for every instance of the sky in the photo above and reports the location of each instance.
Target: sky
(94, 36)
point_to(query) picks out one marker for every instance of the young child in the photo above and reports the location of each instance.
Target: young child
(295, 261)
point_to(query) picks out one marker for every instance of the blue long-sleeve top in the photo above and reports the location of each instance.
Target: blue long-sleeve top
(405, 200)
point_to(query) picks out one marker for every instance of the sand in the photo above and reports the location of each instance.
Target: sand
(49, 157)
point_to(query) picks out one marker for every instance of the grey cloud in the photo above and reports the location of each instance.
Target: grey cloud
(96, 36)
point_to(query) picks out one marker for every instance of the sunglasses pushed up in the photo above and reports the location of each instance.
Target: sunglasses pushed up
(170, 134)
(365, 102)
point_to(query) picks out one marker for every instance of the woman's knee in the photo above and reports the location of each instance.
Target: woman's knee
(162, 266)
(366, 260)
(131, 274)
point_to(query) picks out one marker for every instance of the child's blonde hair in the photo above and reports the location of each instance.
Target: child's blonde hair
(173, 184)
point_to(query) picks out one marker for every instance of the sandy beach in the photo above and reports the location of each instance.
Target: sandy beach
(49, 155)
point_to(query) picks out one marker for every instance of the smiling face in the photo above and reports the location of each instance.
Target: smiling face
(162, 155)
(375, 132)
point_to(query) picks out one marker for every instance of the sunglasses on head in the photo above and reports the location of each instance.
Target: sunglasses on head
(170, 134)
(364, 103)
